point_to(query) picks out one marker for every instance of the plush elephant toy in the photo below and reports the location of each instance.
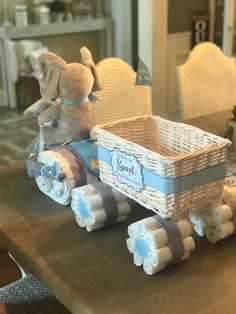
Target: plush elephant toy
(73, 114)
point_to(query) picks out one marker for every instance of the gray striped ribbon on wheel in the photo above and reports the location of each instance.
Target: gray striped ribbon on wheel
(109, 202)
(175, 240)
(76, 166)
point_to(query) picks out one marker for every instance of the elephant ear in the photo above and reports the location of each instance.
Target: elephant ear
(87, 60)
(50, 67)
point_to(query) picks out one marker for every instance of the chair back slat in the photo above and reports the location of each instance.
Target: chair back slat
(206, 82)
(120, 97)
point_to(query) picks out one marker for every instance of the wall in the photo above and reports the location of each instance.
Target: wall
(179, 13)
(66, 46)
(145, 32)
(171, 38)
(178, 47)
(121, 13)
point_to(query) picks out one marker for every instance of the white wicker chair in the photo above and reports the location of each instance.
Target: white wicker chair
(120, 97)
(206, 82)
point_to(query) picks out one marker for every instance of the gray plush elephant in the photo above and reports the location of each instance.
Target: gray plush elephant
(73, 114)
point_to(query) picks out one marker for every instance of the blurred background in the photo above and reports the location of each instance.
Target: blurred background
(162, 33)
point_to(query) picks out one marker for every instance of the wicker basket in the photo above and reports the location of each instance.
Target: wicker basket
(165, 166)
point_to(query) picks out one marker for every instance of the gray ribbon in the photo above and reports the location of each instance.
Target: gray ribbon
(109, 202)
(78, 102)
(76, 166)
(174, 236)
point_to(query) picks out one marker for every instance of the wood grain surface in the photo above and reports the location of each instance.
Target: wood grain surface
(16, 132)
(215, 123)
(2, 308)
(94, 272)
(9, 271)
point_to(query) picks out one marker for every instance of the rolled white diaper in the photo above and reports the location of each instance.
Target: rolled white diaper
(60, 191)
(218, 221)
(158, 238)
(149, 244)
(164, 255)
(150, 269)
(221, 214)
(221, 231)
(93, 211)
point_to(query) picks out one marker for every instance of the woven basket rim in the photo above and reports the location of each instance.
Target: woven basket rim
(98, 129)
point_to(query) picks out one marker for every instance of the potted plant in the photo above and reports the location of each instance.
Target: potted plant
(234, 113)
(57, 8)
(231, 133)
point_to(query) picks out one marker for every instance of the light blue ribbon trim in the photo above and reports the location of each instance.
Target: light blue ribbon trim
(104, 154)
(78, 102)
(73, 102)
(173, 185)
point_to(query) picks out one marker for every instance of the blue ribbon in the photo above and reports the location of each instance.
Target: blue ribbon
(173, 185)
(78, 102)
(87, 150)
(72, 102)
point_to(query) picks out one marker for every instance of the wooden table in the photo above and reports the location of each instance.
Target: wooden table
(215, 123)
(94, 272)
(2, 309)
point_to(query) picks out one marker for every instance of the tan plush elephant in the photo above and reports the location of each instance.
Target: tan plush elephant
(73, 114)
